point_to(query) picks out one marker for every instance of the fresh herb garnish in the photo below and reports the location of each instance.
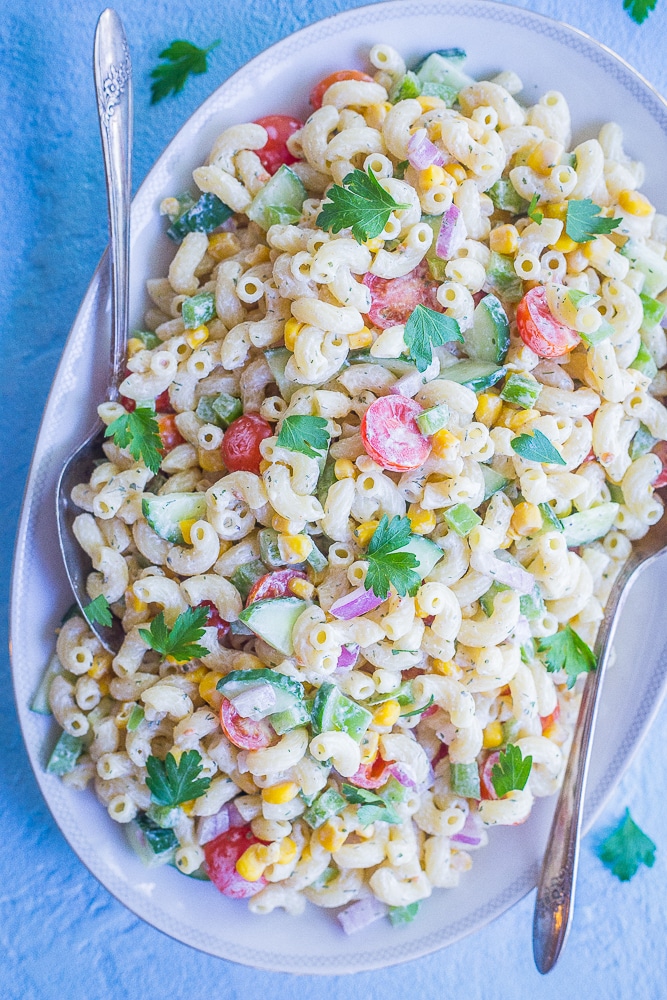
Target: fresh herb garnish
(179, 642)
(426, 329)
(372, 807)
(139, 432)
(387, 566)
(536, 447)
(183, 59)
(531, 210)
(309, 435)
(98, 611)
(583, 222)
(171, 783)
(626, 849)
(416, 711)
(567, 651)
(639, 10)
(511, 772)
(361, 203)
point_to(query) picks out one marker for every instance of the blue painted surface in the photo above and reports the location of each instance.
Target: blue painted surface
(61, 934)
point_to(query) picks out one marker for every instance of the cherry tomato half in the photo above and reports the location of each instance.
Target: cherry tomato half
(371, 775)
(162, 403)
(391, 436)
(485, 783)
(247, 734)
(274, 585)
(214, 620)
(221, 855)
(539, 329)
(548, 720)
(169, 431)
(318, 91)
(661, 451)
(275, 152)
(394, 299)
(240, 445)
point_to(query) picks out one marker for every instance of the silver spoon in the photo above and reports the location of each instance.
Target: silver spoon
(555, 890)
(113, 86)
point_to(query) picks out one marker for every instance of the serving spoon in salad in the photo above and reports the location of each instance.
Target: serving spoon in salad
(556, 887)
(113, 86)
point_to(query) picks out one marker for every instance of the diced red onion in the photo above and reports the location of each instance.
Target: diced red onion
(362, 913)
(242, 761)
(553, 374)
(358, 602)
(410, 384)
(422, 153)
(210, 827)
(452, 235)
(348, 656)
(521, 631)
(255, 702)
(471, 831)
(402, 775)
(512, 576)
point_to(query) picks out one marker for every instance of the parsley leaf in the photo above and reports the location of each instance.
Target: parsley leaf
(639, 10)
(511, 772)
(531, 210)
(387, 566)
(425, 329)
(179, 642)
(309, 435)
(536, 447)
(171, 783)
(583, 223)
(182, 59)
(567, 651)
(372, 807)
(415, 711)
(360, 203)
(98, 611)
(139, 432)
(626, 849)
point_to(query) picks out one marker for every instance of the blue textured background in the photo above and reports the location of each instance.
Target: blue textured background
(61, 933)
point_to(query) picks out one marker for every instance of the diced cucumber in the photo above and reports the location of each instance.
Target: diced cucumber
(603, 332)
(642, 442)
(149, 339)
(284, 189)
(405, 88)
(401, 915)
(65, 754)
(462, 519)
(288, 692)
(160, 839)
(511, 729)
(504, 196)
(198, 309)
(135, 717)
(426, 552)
(317, 559)
(166, 817)
(442, 90)
(397, 366)
(493, 481)
(528, 650)
(587, 525)
(454, 55)
(464, 780)
(549, 520)
(282, 215)
(332, 710)
(531, 605)
(165, 513)
(477, 375)
(40, 701)
(220, 410)
(651, 265)
(489, 337)
(291, 718)
(238, 628)
(393, 793)
(653, 311)
(328, 804)
(521, 390)
(616, 493)
(434, 419)
(644, 362)
(153, 845)
(203, 217)
(273, 620)
(438, 69)
(276, 359)
(185, 202)
(245, 577)
(502, 277)
(268, 548)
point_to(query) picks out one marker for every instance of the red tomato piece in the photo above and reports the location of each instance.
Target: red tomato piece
(240, 445)
(394, 299)
(486, 785)
(548, 720)
(391, 436)
(274, 585)
(169, 431)
(162, 403)
(431, 710)
(318, 91)
(275, 152)
(539, 329)
(371, 775)
(214, 619)
(661, 451)
(248, 734)
(221, 855)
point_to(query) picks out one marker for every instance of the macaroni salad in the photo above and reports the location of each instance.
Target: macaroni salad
(384, 442)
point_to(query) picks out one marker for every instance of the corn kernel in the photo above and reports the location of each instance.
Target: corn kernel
(635, 203)
(550, 731)
(375, 114)
(442, 442)
(521, 417)
(208, 690)
(252, 863)
(422, 522)
(292, 327)
(488, 409)
(526, 519)
(504, 239)
(369, 746)
(365, 531)
(210, 460)
(264, 465)
(294, 548)
(430, 103)
(101, 664)
(332, 834)
(447, 668)
(134, 345)
(198, 675)
(456, 171)
(432, 176)
(281, 793)
(545, 156)
(564, 244)
(188, 806)
(374, 245)
(186, 528)
(492, 736)
(104, 687)
(362, 338)
(301, 588)
(387, 714)
(258, 255)
(555, 210)
(344, 469)
(287, 851)
(225, 546)
(223, 245)
(287, 526)
(598, 251)
(195, 338)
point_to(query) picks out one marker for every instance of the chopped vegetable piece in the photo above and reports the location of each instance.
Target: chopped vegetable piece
(434, 419)
(462, 519)
(539, 329)
(326, 805)
(644, 362)
(240, 445)
(275, 152)
(464, 780)
(65, 754)
(203, 217)
(221, 410)
(248, 734)
(393, 300)
(401, 915)
(221, 855)
(391, 435)
(198, 309)
(135, 718)
(332, 710)
(522, 390)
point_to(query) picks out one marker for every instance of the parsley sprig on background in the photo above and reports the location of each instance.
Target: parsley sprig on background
(639, 10)
(182, 59)
(626, 849)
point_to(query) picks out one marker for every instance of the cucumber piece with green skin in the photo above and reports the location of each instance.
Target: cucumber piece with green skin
(437, 69)
(135, 718)
(137, 837)
(273, 620)
(397, 366)
(268, 548)
(489, 337)
(505, 197)
(288, 692)
(434, 419)
(65, 754)
(400, 915)
(644, 362)
(291, 718)
(587, 525)
(477, 375)
(165, 513)
(502, 277)
(220, 409)
(511, 729)
(641, 443)
(653, 311)
(651, 265)
(550, 522)
(493, 481)
(283, 189)
(149, 339)
(245, 577)
(455, 55)
(198, 309)
(160, 839)
(202, 217)
(462, 519)
(166, 817)
(426, 552)
(521, 390)
(464, 780)
(332, 710)
(317, 559)
(276, 359)
(531, 605)
(406, 87)
(40, 701)
(328, 804)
